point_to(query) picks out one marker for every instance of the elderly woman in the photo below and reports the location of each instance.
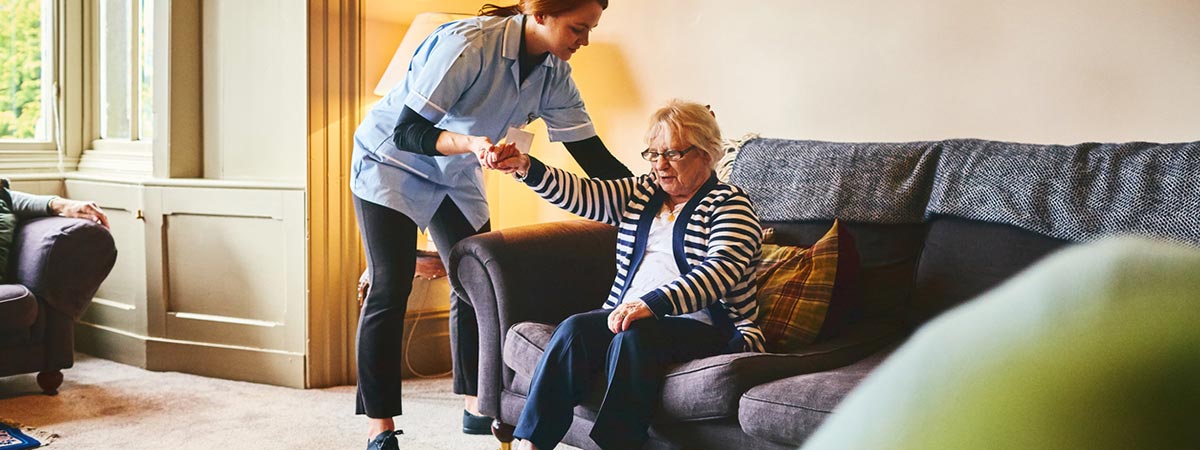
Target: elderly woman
(687, 249)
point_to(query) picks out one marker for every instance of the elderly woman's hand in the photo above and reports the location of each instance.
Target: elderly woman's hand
(518, 163)
(626, 313)
(497, 153)
(80, 209)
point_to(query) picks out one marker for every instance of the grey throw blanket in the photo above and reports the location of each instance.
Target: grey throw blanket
(1078, 192)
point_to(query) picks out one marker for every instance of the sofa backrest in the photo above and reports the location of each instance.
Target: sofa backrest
(963, 258)
(960, 216)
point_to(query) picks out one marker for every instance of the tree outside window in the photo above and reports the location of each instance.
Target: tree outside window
(24, 72)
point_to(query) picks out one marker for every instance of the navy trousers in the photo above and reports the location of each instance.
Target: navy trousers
(631, 362)
(390, 240)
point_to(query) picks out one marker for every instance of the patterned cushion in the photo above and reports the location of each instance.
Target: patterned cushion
(806, 293)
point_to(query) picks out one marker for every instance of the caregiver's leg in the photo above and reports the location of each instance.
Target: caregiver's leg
(389, 238)
(447, 228)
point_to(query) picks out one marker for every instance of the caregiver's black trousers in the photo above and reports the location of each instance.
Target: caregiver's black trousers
(390, 240)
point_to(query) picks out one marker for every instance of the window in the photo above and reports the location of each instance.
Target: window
(93, 114)
(125, 66)
(120, 126)
(26, 73)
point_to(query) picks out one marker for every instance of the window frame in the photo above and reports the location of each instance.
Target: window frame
(135, 143)
(50, 65)
(77, 146)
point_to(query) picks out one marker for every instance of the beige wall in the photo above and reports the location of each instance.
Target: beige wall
(255, 89)
(1059, 71)
(211, 277)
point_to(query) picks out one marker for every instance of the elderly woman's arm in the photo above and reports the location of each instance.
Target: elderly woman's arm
(593, 199)
(727, 273)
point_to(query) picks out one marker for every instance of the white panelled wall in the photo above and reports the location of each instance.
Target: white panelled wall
(211, 269)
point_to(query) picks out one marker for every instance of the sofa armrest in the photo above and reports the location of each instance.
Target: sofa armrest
(539, 273)
(62, 261)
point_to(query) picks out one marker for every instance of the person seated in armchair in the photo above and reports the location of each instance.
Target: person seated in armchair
(687, 249)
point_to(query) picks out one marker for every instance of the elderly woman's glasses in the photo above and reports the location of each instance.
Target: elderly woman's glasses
(671, 155)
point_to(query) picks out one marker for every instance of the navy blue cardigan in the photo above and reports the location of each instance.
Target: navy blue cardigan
(717, 247)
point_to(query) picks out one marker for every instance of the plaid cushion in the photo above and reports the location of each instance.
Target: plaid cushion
(796, 287)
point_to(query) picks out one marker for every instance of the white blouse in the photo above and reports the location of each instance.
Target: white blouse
(658, 265)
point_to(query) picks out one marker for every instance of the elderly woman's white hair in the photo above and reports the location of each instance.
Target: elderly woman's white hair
(693, 123)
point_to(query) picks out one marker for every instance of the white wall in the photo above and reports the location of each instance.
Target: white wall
(211, 274)
(255, 61)
(1057, 71)
(1040, 71)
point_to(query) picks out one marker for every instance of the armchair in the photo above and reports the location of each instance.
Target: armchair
(550, 272)
(55, 267)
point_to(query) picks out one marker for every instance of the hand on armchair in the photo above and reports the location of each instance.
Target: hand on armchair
(78, 209)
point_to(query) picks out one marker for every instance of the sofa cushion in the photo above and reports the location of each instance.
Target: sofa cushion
(888, 259)
(18, 309)
(787, 411)
(709, 388)
(963, 258)
(805, 292)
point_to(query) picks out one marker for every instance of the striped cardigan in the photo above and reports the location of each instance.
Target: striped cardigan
(717, 248)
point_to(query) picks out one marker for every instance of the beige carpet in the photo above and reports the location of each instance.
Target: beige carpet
(106, 405)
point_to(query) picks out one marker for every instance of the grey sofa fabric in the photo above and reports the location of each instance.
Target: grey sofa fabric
(792, 180)
(61, 262)
(1076, 192)
(529, 274)
(709, 388)
(718, 434)
(18, 308)
(787, 411)
(964, 258)
(916, 261)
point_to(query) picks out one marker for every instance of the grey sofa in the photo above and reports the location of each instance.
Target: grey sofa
(55, 268)
(935, 224)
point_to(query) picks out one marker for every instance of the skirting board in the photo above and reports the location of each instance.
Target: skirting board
(218, 361)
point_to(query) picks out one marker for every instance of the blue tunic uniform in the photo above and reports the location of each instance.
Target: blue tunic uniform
(465, 78)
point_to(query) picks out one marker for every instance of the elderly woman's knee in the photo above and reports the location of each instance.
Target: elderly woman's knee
(573, 324)
(640, 333)
(577, 325)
